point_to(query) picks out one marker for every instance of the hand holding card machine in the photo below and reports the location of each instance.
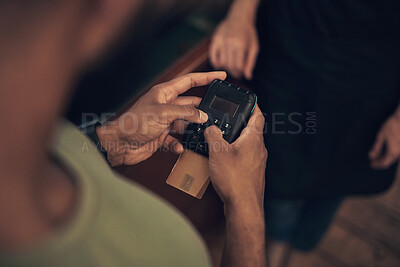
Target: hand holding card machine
(228, 107)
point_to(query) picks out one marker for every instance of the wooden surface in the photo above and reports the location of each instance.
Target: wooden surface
(365, 231)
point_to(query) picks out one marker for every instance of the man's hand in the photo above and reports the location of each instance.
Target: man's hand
(386, 149)
(146, 126)
(237, 173)
(237, 170)
(234, 45)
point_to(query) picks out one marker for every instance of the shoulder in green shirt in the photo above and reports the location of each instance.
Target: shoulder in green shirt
(116, 223)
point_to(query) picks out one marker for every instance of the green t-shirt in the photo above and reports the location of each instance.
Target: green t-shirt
(116, 223)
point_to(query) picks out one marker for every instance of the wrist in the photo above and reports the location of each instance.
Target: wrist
(252, 215)
(246, 204)
(110, 139)
(108, 135)
(244, 9)
(90, 129)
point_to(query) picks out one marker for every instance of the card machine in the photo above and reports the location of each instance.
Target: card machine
(229, 107)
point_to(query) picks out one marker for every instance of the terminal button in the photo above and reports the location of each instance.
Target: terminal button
(225, 132)
(226, 126)
(217, 122)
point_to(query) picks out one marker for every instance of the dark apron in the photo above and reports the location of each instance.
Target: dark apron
(327, 78)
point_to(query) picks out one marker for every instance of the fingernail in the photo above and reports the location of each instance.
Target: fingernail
(203, 116)
(179, 148)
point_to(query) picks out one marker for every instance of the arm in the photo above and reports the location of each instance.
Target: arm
(245, 235)
(237, 173)
(234, 45)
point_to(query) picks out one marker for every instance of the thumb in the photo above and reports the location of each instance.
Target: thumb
(377, 147)
(216, 142)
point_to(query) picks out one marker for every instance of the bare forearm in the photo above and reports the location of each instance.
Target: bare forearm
(245, 236)
(244, 8)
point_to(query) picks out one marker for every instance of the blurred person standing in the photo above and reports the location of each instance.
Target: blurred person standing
(327, 75)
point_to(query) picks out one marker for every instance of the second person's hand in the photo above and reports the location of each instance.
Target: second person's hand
(237, 170)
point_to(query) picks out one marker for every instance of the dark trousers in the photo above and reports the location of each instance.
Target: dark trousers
(300, 222)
